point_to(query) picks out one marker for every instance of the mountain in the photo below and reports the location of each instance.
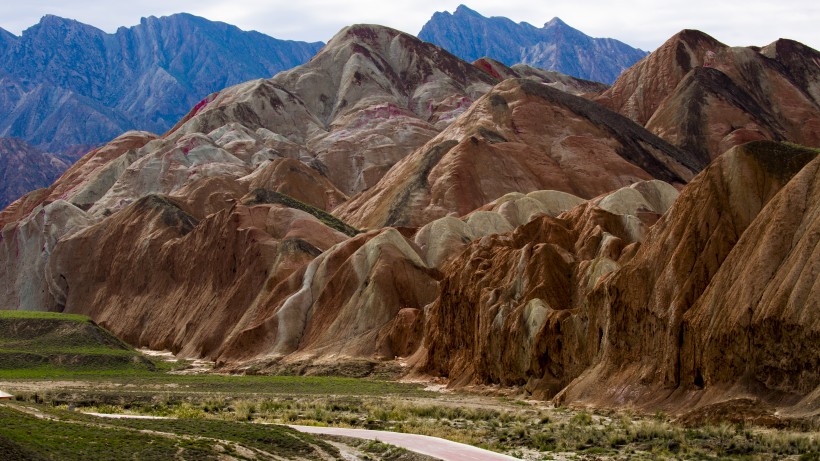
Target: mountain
(718, 301)
(545, 139)
(706, 97)
(555, 46)
(24, 168)
(388, 199)
(65, 83)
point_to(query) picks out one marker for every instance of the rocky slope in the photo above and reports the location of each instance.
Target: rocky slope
(65, 83)
(722, 291)
(24, 168)
(217, 181)
(543, 137)
(706, 97)
(551, 78)
(556, 46)
(386, 200)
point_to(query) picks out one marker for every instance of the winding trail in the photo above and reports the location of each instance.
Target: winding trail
(426, 445)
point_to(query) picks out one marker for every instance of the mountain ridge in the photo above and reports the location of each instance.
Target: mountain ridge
(140, 77)
(555, 46)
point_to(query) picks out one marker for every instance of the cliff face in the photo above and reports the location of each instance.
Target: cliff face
(67, 83)
(706, 97)
(555, 46)
(719, 300)
(711, 337)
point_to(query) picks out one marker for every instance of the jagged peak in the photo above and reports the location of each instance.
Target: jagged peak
(6, 36)
(464, 10)
(54, 20)
(555, 22)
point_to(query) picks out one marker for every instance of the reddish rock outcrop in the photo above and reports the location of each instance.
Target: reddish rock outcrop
(350, 302)
(706, 97)
(511, 308)
(520, 137)
(718, 302)
(187, 282)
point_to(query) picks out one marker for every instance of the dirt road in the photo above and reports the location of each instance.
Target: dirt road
(431, 446)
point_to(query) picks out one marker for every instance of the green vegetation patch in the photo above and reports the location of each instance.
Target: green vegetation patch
(42, 344)
(67, 435)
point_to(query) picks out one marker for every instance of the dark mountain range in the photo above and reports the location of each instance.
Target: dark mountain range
(556, 46)
(64, 83)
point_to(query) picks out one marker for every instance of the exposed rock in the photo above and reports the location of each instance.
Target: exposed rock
(544, 138)
(726, 283)
(24, 168)
(556, 46)
(551, 78)
(717, 303)
(706, 97)
(511, 308)
(188, 282)
(351, 301)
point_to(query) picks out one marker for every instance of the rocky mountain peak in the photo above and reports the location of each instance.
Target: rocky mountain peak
(556, 46)
(555, 22)
(464, 10)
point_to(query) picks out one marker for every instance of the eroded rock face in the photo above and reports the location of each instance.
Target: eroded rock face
(511, 308)
(706, 97)
(521, 137)
(32, 226)
(719, 301)
(366, 100)
(746, 219)
(351, 301)
(157, 276)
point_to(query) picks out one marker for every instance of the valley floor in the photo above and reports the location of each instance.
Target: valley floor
(210, 414)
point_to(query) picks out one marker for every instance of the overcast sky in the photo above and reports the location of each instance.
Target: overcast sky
(640, 23)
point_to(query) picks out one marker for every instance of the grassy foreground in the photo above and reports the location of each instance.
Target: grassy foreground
(37, 432)
(81, 366)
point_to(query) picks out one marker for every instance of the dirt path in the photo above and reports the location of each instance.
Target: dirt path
(431, 446)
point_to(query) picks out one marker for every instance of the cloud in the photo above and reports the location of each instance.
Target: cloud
(640, 23)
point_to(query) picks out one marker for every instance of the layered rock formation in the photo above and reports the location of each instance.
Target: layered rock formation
(385, 200)
(706, 97)
(543, 137)
(24, 168)
(65, 83)
(556, 46)
(222, 179)
(718, 302)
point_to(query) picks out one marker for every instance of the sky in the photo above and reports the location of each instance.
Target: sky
(639, 23)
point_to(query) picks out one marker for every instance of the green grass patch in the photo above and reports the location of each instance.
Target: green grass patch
(74, 436)
(42, 345)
